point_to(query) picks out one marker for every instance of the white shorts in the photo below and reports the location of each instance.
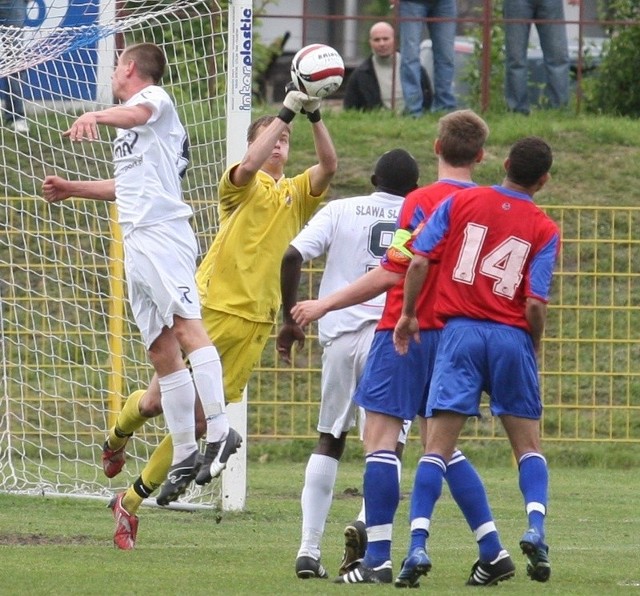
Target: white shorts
(343, 361)
(404, 432)
(160, 267)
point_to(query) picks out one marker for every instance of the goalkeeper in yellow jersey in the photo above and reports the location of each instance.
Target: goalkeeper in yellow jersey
(261, 211)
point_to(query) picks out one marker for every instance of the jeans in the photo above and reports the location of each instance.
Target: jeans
(12, 13)
(553, 42)
(442, 36)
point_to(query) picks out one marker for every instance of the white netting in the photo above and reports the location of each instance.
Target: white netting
(70, 352)
(42, 40)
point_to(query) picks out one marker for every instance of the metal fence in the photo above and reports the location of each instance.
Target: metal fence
(56, 357)
(345, 24)
(590, 374)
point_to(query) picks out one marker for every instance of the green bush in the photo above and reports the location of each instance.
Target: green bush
(615, 90)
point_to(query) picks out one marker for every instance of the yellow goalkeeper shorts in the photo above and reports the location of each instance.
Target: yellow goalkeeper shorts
(240, 343)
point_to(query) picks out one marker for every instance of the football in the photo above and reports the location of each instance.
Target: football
(317, 70)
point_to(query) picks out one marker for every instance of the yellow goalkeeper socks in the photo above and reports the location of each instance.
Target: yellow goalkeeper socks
(129, 420)
(151, 478)
(132, 501)
(157, 468)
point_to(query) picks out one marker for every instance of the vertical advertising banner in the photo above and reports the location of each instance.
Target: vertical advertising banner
(239, 77)
(238, 118)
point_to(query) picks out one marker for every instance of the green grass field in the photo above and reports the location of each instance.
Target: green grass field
(63, 546)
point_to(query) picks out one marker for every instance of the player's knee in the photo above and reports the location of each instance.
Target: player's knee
(150, 405)
(330, 446)
(190, 334)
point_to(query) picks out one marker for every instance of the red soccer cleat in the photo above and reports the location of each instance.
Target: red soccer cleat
(113, 460)
(124, 537)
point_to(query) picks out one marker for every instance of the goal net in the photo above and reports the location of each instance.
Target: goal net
(70, 351)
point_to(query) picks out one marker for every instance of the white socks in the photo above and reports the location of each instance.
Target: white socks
(206, 370)
(178, 391)
(317, 494)
(178, 396)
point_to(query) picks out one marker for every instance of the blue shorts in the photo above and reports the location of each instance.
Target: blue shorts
(397, 385)
(476, 356)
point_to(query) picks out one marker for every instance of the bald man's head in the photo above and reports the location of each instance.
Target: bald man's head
(382, 39)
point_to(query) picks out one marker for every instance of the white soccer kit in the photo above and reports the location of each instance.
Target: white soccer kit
(354, 234)
(159, 243)
(149, 160)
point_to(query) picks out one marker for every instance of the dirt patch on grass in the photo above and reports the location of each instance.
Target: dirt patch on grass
(43, 540)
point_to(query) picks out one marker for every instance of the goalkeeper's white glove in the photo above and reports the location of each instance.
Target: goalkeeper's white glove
(311, 104)
(291, 105)
(294, 101)
(311, 107)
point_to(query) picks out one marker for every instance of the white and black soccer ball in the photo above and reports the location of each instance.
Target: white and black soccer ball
(317, 70)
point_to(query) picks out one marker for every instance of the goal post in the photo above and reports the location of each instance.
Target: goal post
(71, 352)
(238, 111)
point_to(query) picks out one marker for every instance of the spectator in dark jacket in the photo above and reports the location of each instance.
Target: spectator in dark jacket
(375, 83)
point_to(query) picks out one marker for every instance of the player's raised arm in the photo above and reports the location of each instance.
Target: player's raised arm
(268, 141)
(323, 172)
(317, 71)
(268, 150)
(86, 126)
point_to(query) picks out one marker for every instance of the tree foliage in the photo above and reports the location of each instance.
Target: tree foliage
(183, 53)
(615, 90)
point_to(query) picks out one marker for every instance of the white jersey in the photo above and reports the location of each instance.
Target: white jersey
(149, 161)
(354, 233)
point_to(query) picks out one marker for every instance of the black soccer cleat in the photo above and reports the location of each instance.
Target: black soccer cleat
(179, 477)
(308, 568)
(490, 573)
(538, 567)
(361, 574)
(216, 456)
(355, 545)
